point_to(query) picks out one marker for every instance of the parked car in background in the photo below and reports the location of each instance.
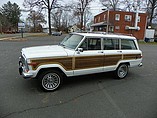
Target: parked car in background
(55, 33)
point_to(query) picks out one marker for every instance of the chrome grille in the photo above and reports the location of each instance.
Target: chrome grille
(23, 63)
(22, 60)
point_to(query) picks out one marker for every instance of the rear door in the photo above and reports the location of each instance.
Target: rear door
(112, 53)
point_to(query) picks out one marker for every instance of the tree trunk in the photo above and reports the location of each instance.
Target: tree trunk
(82, 21)
(151, 17)
(34, 26)
(49, 20)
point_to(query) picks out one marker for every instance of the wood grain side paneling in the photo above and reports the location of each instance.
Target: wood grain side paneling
(110, 60)
(89, 62)
(66, 63)
(131, 56)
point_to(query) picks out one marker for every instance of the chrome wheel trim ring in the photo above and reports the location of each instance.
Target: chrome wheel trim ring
(51, 81)
(122, 71)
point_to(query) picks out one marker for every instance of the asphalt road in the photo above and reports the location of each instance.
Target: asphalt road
(92, 96)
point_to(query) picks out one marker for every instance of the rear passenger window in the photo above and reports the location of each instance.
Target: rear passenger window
(128, 44)
(111, 44)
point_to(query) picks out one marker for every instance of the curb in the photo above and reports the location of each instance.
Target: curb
(12, 39)
(20, 38)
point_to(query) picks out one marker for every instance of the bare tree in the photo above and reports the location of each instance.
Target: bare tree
(152, 5)
(56, 16)
(110, 4)
(128, 5)
(87, 17)
(36, 18)
(63, 17)
(67, 17)
(42, 4)
(80, 8)
(131, 5)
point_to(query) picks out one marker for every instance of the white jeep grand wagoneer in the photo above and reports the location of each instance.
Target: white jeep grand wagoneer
(80, 54)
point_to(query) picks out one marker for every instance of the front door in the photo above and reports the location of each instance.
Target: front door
(91, 59)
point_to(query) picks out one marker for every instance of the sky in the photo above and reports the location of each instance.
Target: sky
(19, 2)
(96, 7)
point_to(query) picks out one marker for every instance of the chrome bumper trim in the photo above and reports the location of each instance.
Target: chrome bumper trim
(140, 65)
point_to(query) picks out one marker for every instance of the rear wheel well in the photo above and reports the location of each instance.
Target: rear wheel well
(127, 63)
(122, 70)
(53, 68)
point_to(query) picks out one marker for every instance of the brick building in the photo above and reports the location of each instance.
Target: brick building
(121, 22)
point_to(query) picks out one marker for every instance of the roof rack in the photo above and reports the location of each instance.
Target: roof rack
(112, 33)
(97, 32)
(122, 34)
(82, 32)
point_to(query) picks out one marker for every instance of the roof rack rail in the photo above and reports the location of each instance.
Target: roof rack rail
(82, 32)
(110, 33)
(122, 34)
(99, 32)
(90, 32)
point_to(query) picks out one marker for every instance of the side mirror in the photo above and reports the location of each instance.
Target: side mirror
(80, 49)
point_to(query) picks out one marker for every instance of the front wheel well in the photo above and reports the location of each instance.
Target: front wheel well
(53, 68)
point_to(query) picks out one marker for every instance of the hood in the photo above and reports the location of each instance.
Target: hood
(44, 51)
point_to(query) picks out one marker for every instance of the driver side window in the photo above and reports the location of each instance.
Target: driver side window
(91, 44)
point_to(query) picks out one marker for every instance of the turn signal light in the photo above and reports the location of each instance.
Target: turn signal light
(33, 64)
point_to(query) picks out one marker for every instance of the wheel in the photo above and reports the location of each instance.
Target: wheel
(50, 80)
(122, 71)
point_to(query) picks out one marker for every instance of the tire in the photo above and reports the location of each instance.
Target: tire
(50, 80)
(122, 71)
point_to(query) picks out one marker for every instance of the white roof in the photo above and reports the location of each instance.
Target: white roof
(105, 35)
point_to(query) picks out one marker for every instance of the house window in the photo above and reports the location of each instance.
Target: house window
(104, 16)
(99, 19)
(111, 28)
(139, 19)
(128, 17)
(95, 20)
(117, 27)
(117, 17)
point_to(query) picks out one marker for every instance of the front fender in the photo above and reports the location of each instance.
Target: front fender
(66, 72)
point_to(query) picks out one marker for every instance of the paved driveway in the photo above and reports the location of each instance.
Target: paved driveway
(93, 96)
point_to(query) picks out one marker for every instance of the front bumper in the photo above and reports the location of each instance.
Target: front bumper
(25, 75)
(141, 64)
(23, 71)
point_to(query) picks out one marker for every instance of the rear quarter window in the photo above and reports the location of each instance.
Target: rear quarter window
(127, 44)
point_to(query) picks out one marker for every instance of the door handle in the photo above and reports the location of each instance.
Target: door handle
(119, 51)
(100, 52)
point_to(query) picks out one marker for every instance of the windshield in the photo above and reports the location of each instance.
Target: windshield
(71, 41)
